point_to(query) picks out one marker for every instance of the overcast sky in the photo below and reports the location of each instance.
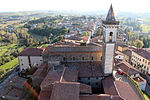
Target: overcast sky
(79, 5)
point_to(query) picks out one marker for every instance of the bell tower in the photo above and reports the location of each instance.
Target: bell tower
(110, 26)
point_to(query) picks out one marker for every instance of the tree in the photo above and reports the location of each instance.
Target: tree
(138, 43)
(99, 32)
(85, 34)
(14, 38)
(45, 39)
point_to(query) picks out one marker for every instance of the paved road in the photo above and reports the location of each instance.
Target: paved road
(14, 73)
(147, 89)
(124, 78)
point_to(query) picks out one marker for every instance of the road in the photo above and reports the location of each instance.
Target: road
(14, 73)
(124, 79)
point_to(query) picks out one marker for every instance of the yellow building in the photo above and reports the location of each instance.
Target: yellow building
(141, 60)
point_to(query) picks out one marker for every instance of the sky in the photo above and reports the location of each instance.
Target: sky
(77, 5)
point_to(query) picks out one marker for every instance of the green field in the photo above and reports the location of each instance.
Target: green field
(9, 65)
(6, 52)
(6, 69)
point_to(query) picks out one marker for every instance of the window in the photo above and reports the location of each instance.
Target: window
(82, 58)
(21, 59)
(64, 58)
(97, 78)
(110, 36)
(88, 78)
(96, 83)
(92, 58)
(22, 64)
(89, 83)
(143, 60)
(73, 58)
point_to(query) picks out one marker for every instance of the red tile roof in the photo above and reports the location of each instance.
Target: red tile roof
(42, 70)
(62, 75)
(127, 68)
(142, 53)
(31, 52)
(125, 91)
(65, 91)
(109, 86)
(87, 69)
(127, 52)
(45, 95)
(85, 88)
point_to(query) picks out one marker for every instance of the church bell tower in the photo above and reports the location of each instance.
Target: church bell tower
(110, 26)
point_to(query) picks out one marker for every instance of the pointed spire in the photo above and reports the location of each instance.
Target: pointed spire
(110, 15)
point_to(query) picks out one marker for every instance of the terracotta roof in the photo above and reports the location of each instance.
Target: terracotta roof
(61, 75)
(50, 79)
(127, 52)
(41, 71)
(69, 75)
(85, 88)
(109, 86)
(65, 91)
(45, 95)
(100, 97)
(125, 91)
(97, 39)
(142, 53)
(127, 68)
(31, 52)
(87, 69)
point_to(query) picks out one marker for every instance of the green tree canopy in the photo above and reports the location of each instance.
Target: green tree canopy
(45, 39)
(138, 43)
(85, 34)
(99, 32)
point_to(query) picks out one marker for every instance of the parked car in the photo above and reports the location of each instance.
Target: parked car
(119, 71)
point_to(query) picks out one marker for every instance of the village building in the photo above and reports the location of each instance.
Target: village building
(140, 60)
(30, 56)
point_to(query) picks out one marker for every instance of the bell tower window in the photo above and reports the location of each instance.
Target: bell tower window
(110, 36)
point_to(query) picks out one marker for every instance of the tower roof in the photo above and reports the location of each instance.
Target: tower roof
(110, 15)
(110, 19)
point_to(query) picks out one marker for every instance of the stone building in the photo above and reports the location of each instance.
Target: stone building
(140, 60)
(64, 52)
(30, 56)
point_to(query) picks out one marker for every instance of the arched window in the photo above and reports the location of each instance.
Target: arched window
(92, 58)
(73, 58)
(64, 58)
(110, 36)
(82, 58)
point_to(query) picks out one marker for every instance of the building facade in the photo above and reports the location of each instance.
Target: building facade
(30, 56)
(140, 60)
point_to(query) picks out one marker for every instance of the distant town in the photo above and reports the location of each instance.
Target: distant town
(57, 56)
